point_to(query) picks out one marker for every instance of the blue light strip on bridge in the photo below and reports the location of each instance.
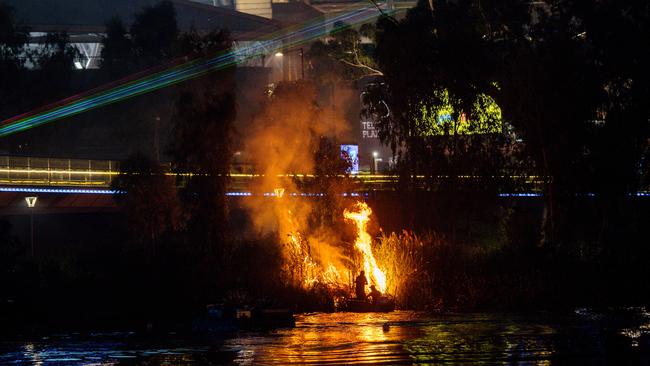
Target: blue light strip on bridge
(57, 190)
(537, 194)
(520, 195)
(109, 191)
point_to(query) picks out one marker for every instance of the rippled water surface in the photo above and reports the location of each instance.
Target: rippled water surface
(581, 337)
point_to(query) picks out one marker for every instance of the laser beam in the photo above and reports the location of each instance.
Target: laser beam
(131, 87)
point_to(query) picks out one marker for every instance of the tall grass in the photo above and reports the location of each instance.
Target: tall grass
(407, 260)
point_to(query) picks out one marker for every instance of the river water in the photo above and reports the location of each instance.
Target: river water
(584, 336)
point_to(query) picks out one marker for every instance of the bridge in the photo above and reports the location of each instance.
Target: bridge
(75, 184)
(59, 173)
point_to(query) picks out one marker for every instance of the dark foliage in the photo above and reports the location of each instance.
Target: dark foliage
(202, 141)
(117, 52)
(13, 39)
(153, 33)
(148, 199)
(202, 148)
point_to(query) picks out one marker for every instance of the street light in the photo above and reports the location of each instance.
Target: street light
(374, 160)
(31, 203)
(302, 60)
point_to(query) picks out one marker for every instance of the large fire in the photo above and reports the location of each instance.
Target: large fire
(310, 266)
(363, 244)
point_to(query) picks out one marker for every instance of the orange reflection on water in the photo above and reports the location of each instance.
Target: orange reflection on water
(342, 338)
(399, 338)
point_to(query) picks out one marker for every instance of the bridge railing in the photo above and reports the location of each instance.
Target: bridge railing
(19, 170)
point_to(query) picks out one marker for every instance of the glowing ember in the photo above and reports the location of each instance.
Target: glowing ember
(363, 244)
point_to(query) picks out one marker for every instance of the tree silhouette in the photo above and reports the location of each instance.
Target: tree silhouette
(154, 32)
(117, 57)
(13, 41)
(148, 198)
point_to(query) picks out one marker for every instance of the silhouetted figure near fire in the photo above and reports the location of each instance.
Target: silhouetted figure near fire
(360, 286)
(374, 294)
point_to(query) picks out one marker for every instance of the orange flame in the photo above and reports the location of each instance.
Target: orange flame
(363, 244)
(311, 271)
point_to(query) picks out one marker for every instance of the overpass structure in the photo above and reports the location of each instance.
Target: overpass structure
(59, 175)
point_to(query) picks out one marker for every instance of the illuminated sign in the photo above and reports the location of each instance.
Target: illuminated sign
(368, 130)
(351, 154)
